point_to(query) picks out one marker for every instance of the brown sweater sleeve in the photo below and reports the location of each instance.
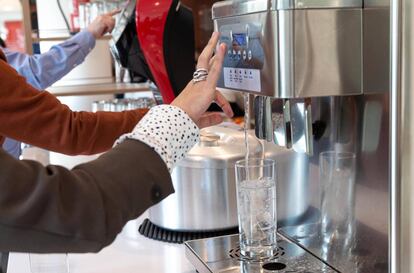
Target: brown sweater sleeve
(52, 209)
(38, 118)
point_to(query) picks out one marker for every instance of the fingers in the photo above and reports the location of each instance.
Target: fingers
(110, 24)
(107, 24)
(215, 69)
(101, 25)
(210, 63)
(108, 21)
(208, 51)
(113, 12)
(221, 101)
(209, 119)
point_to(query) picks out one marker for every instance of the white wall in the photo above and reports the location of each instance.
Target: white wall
(10, 6)
(50, 19)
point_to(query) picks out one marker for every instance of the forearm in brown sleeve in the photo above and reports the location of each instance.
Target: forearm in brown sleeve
(52, 209)
(38, 118)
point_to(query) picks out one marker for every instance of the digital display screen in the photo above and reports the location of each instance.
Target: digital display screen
(239, 39)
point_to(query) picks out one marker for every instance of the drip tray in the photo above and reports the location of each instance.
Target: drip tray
(222, 255)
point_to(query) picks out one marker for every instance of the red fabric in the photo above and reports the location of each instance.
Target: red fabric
(15, 35)
(151, 18)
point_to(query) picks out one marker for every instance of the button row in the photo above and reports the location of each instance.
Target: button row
(238, 54)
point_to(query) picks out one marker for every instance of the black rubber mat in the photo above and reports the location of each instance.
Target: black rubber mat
(149, 230)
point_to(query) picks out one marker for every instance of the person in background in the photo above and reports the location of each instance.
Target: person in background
(52, 209)
(88, 133)
(43, 70)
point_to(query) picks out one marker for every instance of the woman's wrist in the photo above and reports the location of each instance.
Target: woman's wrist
(168, 130)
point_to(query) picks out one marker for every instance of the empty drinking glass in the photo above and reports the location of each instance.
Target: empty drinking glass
(256, 205)
(337, 177)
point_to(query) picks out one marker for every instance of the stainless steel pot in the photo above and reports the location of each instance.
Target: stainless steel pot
(205, 188)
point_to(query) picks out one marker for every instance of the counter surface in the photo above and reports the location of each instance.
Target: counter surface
(130, 253)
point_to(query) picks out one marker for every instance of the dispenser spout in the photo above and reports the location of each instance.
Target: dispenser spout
(287, 123)
(301, 126)
(263, 118)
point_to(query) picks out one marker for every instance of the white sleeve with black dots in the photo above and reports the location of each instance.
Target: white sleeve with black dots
(168, 130)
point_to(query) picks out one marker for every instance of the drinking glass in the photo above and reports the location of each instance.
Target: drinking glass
(256, 206)
(337, 177)
(49, 263)
(119, 105)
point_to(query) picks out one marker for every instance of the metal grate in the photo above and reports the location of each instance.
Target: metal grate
(236, 254)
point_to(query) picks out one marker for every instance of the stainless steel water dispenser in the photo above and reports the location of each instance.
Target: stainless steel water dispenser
(293, 50)
(319, 75)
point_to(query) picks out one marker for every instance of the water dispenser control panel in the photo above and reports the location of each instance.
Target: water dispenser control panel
(244, 58)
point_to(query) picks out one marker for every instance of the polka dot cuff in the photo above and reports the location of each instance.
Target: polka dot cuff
(168, 130)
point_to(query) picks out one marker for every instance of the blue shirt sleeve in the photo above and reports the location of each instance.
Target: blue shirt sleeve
(13, 147)
(43, 70)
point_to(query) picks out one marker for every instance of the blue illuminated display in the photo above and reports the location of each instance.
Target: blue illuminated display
(239, 39)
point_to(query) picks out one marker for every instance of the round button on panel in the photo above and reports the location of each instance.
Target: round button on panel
(234, 54)
(249, 55)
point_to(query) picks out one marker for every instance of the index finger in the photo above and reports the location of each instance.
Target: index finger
(224, 104)
(204, 59)
(114, 12)
(215, 70)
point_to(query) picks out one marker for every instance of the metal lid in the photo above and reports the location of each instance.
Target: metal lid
(220, 147)
(241, 7)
